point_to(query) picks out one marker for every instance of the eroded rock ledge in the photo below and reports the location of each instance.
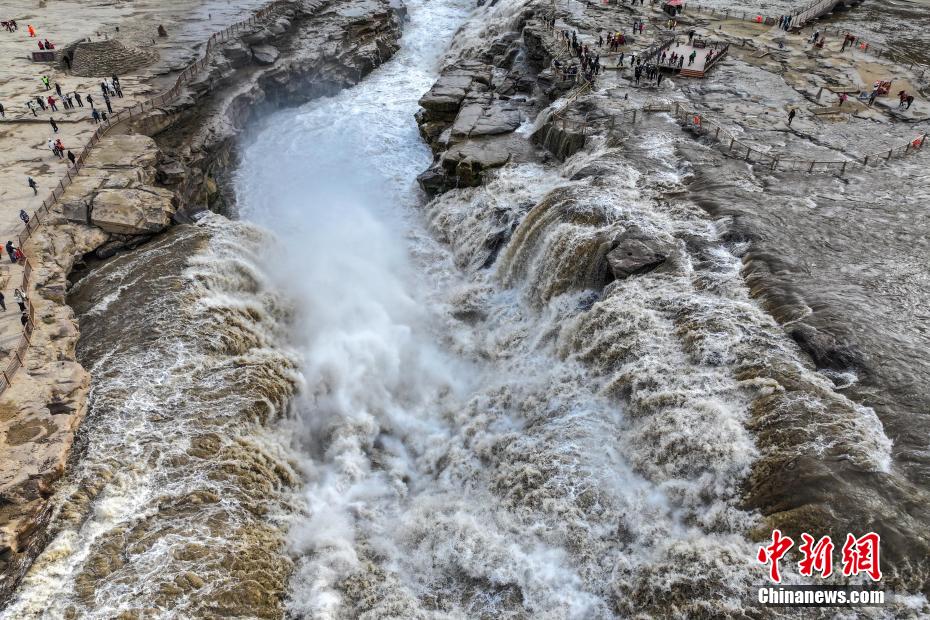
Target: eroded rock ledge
(132, 188)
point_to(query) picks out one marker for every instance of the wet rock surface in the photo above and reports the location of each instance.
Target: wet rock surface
(470, 111)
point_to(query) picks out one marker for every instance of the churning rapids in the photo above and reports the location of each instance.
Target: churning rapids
(332, 409)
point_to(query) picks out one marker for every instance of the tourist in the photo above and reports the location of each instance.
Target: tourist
(10, 252)
(46, 82)
(872, 97)
(41, 47)
(51, 146)
(71, 158)
(48, 45)
(103, 116)
(18, 294)
(34, 186)
(41, 102)
(691, 57)
(61, 148)
(910, 100)
(106, 100)
(23, 318)
(24, 217)
(77, 97)
(32, 31)
(96, 116)
(791, 114)
(2, 302)
(18, 255)
(58, 89)
(51, 103)
(843, 98)
(53, 124)
(90, 100)
(2, 111)
(31, 109)
(68, 102)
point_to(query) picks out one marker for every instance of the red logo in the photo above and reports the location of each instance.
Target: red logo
(817, 557)
(860, 555)
(773, 553)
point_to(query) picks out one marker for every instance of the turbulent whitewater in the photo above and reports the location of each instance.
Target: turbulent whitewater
(356, 402)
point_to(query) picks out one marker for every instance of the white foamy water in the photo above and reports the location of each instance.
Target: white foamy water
(177, 474)
(457, 460)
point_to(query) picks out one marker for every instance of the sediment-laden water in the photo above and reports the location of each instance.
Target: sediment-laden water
(180, 482)
(374, 410)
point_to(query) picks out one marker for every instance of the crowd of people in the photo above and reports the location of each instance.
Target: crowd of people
(590, 63)
(54, 99)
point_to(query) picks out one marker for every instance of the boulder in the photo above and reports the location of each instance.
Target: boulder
(433, 181)
(171, 173)
(636, 253)
(465, 162)
(258, 37)
(265, 54)
(444, 99)
(485, 117)
(447, 94)
(77, 211)
(237, 54)
(133, 211)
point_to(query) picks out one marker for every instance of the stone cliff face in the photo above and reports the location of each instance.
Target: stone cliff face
(470, 114)
(307, 51)
(130, 189)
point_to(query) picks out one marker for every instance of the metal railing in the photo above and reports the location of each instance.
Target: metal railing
(861, 43)
(41, 213)
(737, 149)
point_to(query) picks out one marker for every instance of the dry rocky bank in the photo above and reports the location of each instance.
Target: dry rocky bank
(162, 168)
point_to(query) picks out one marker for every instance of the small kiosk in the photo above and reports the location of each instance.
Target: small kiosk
(673, 7)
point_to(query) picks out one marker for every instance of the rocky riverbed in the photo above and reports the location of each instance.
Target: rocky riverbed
(582, 368)
(832, 406)
(133, 188)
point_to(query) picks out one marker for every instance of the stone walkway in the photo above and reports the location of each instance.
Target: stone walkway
(24, 137)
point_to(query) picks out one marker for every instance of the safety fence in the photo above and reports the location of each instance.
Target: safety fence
(861, 43)
(734, 147)
(800, 17)
(39, 216)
